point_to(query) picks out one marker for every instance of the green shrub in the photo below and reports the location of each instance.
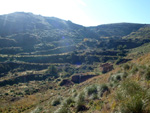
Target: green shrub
(94, 96)
(134, 105)
(63, 109)
(101, 89)
(74, 94)
(65, 106)
(131, 87)
(80, 106)
(116, 78)
(147, 75)
(91, 90)
(38, 110)
(95, 91)
(56, 101)
(125, 74)
(80, 97)
(132, 98)
(134, 69)
(52, 70)
(69, 101)
(126, 67)
(6, 94)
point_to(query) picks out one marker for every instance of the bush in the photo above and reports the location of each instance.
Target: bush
(52, 70)
(38, 110)
(91, 90)
(125, 74)
(116, 78)
(80, 106)
(147, 75)
(69, 101)
(94, 96)
(102, 88)
(65, 106)
(96, 90)
(74, 94)
(134, 69)
(80, 97)
(126, 67)
(56, 101)
(132, 98)
(62, 109)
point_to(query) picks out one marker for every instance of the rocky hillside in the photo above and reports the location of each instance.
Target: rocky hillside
(26, 37)
(55, 66)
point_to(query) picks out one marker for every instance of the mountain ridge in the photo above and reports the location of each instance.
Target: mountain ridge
(52, 65)
(49, 20)
(28, 34)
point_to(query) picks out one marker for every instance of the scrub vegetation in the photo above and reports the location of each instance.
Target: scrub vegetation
(49, 65)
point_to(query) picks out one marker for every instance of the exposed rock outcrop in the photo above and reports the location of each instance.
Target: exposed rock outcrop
(78, 78)
(66, 82)
(106, 67)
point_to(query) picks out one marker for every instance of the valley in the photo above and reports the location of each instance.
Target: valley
(50, 65)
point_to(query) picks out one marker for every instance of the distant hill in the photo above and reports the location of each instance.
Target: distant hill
(142, 33)
(116, 30)
(28, 34)
(21, 22)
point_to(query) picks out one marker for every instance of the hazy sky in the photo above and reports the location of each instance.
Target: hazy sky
(84, 12)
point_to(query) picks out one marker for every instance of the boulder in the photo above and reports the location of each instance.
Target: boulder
(106, 67)
(66, 82)
(78, 78)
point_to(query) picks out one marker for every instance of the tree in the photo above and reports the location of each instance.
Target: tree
(52, 70)
(121, 49)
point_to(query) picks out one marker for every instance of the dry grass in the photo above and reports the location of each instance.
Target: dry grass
(43, 99)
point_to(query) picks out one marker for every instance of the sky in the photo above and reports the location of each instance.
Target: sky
(84, 12)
